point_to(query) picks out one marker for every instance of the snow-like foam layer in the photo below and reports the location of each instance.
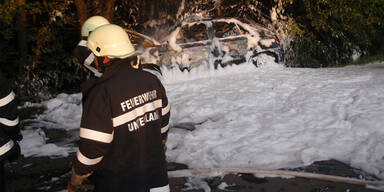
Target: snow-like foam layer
(266, 117)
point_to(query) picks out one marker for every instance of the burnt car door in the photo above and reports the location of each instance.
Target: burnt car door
(229, 45)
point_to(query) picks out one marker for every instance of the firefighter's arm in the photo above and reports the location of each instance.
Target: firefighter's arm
(96, 135)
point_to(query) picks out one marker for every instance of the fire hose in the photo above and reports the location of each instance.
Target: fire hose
(209, 171)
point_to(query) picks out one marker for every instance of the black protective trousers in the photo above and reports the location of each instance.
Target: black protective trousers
(2, 177)
(109, 182)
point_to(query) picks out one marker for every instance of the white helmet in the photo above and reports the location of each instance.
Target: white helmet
(110, 40)
(91, 24)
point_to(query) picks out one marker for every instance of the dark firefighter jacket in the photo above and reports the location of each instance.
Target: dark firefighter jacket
(125, 118)
(9, 121)
(154, 69)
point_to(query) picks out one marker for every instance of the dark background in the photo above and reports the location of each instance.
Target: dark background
(37, 36)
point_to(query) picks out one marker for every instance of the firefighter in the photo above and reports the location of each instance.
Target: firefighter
(82, 55)
(124, 123)
(9, 128)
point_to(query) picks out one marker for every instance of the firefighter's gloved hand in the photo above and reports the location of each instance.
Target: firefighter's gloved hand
(76, 183)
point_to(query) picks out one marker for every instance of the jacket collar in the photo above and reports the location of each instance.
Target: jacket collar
(114, 67)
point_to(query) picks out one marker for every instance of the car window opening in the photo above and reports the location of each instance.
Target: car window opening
(224, 29)
(196, 32)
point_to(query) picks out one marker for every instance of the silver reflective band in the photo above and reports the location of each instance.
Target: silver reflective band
(87, 63)
(127, 117)
(89, 59)
(160, 189)
(82, 43)
(96, 135)
(9, 123)
(87, 161)
(6, 147)
(166, 109)
(165, 129)
(7, 99)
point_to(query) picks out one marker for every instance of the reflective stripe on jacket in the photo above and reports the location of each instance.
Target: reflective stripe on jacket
(9, 119)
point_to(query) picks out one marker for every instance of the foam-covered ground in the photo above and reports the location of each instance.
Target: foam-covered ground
(268, 117)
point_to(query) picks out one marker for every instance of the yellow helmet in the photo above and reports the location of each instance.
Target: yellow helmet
(110, 40)
(92, 23)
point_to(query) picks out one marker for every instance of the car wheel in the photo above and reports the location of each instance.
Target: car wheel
(264, 60)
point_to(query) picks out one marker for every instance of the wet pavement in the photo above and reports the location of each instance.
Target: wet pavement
(46, 174)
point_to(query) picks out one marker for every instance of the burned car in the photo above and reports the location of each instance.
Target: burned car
(218, 43)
